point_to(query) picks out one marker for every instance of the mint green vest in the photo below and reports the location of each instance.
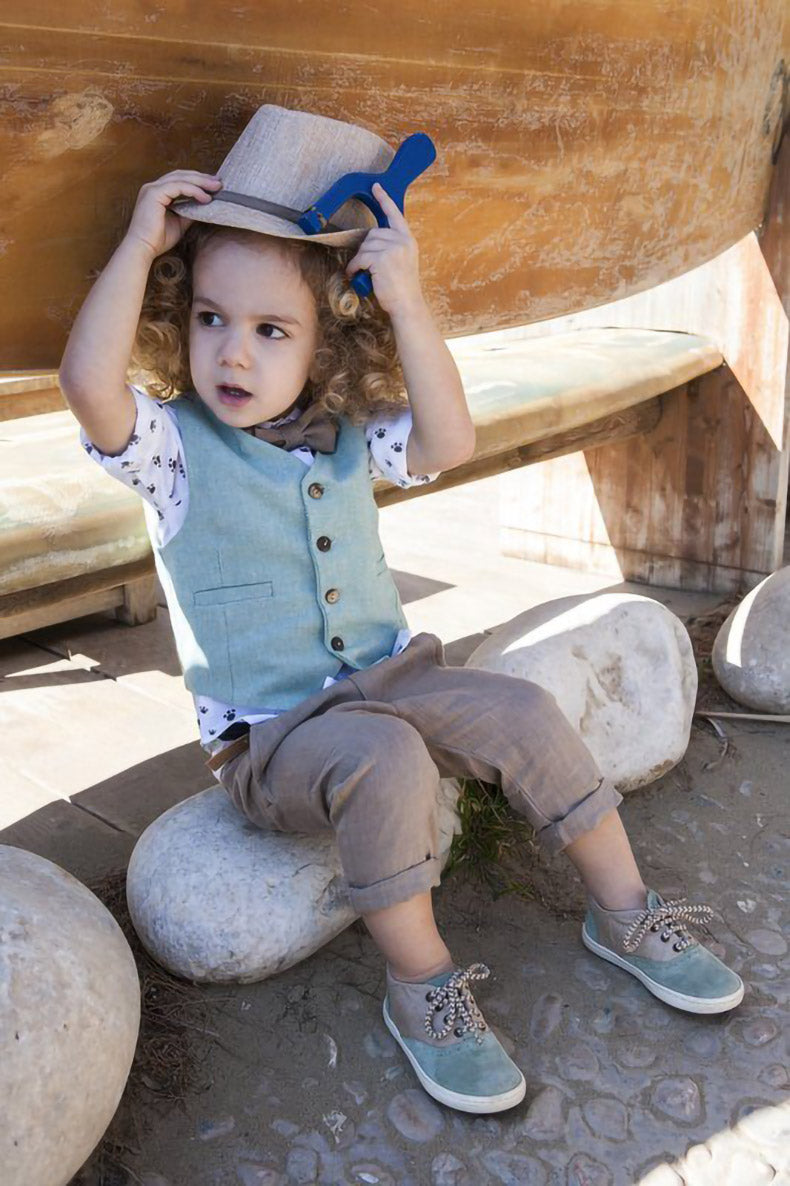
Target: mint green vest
(277, 576)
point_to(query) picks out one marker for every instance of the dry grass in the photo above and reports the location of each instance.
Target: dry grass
(174, 1041)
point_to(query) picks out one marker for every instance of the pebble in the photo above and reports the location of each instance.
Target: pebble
(759, 1031)
(447, 1170)
(591, 974)
(258, 1175)
(635, 1054)
(774, 1075)
(356, 1091)
(514, 1169)
(767, 942)
(209, 1130)
(415, 1116)
(302, 1166)
(286, 1128)
(544, 1117)
(368, 1174)
(768, 1127)
(705, 1043)
(546, 1015)
(746, 787)
(578, 1062)
(661, 1175)
(586, 1171)
(678, 1097)
(607, 1118)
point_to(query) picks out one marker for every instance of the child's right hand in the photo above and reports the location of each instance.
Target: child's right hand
(153, 224)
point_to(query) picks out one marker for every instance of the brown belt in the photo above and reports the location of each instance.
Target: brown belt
(230, 751)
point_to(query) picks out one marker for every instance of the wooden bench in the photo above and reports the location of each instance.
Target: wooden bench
(73, 540)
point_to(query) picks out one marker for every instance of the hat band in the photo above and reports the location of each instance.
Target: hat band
(267, 207)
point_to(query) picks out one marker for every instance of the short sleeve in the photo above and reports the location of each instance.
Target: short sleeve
(152, 464)
(387, 437)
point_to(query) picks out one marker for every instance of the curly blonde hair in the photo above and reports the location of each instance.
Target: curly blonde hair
(357, 366)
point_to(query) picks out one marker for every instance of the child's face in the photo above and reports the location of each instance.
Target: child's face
(254, 325)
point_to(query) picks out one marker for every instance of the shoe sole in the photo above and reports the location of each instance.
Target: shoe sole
(454, 1099)
(679, 999)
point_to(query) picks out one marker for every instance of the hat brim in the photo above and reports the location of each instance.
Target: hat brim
(245, 218)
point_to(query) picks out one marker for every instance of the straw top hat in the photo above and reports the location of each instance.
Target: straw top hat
(281, 164)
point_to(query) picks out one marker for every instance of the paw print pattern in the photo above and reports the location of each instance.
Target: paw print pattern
(156, 460)
(230, 715)
(380, 433)
(151, 489)
(203, 708)
(397, 447)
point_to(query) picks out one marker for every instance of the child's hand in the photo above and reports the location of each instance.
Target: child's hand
(153, 223)
(391, 255)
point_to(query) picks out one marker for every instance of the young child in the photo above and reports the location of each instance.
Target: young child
(280, 395)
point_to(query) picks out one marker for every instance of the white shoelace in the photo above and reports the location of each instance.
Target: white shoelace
(670, 916)
(455, 997)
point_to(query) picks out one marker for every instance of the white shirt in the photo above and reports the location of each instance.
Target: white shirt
(153, 465)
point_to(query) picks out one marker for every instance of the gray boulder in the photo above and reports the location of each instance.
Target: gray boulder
(622, 670)
(69, 1018)
(215, 899)
(751, 654)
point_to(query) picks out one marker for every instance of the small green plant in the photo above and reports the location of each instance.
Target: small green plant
(492, 837)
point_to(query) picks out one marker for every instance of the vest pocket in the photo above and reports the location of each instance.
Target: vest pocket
(225, 594)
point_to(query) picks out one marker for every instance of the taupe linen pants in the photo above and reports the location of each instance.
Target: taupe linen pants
(363, 757)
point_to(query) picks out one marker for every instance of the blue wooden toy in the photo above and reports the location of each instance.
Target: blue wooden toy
(413, 157)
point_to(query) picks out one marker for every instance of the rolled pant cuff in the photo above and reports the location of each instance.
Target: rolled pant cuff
(397, 888)
(580, 819)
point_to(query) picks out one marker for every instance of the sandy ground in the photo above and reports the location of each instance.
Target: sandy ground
(295, 1079)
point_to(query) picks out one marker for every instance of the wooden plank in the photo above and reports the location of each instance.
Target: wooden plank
(587, 153)
(689, 504)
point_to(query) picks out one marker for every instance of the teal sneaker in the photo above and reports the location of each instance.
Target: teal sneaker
(448, 1043)
(671, 963)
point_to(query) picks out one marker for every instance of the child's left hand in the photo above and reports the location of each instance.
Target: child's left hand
(391, 256)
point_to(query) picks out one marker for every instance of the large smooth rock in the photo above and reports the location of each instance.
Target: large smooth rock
(622, 670)
(69, 1018)
(751, 654)
(213, 898)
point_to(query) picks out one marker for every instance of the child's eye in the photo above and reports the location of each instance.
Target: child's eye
(266, 325)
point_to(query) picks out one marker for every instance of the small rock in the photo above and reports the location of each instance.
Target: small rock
(586, 1171)
(578, 1062)
(369, 1174)
(635, 1055)
(607, 1118)
(767, 942)
(250, 1174)
(543, 1121)
(209, 1130)
(302, 1165)
(514, 1169)
(546, 1014)
(759, 1031)
(415, 1116)
(447, 1170)
(678, 1097)
(356, 1091)
(774, 1075)
(746, 658)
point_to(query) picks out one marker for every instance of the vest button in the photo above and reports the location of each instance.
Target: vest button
(332, 595)
(337, 643)
(324, 543)
(315, 490)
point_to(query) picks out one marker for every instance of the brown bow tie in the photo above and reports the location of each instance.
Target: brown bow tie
(315, 428)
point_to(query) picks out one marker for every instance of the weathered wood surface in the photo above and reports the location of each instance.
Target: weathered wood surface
(701, 502)
(690, 504)
(538, 399)
(586, 150)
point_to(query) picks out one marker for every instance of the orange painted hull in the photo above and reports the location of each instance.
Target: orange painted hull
(586, 150)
